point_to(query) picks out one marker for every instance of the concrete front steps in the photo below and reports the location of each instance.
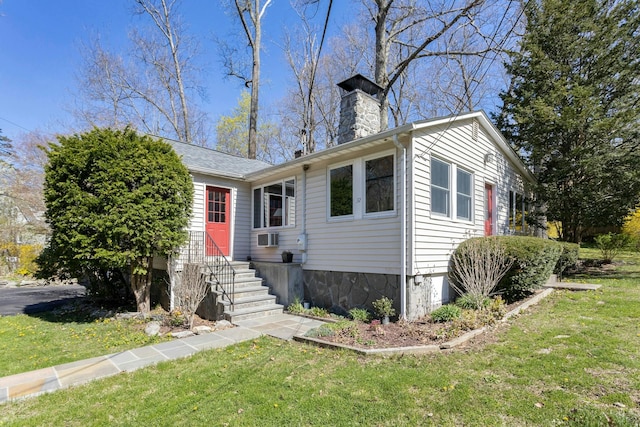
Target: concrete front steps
(251, 299)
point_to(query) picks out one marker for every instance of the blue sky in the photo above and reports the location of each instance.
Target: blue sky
(40, 43)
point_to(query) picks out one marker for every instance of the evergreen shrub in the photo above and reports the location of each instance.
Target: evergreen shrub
(534, 261)
(568, 257)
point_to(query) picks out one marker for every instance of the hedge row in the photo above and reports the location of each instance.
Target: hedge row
(535, 260)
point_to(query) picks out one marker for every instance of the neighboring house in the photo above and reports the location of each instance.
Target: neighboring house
(378, 214)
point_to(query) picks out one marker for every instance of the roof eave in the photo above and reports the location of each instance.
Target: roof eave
(381, 137)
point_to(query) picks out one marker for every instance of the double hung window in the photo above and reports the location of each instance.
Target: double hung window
(274, 204)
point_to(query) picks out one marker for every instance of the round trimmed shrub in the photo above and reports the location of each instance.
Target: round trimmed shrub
(534, 261)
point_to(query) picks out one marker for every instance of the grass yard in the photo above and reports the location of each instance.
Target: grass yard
(573, 360)
(29, 342)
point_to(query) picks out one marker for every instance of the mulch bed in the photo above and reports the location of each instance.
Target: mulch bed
(422, 332)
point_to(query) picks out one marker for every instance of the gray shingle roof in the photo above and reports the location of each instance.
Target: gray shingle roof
(208, 161)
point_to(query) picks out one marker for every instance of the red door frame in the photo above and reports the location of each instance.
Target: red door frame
(489, 228)
(218, 218)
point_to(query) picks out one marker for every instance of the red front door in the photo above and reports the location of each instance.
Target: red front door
(218, 218)
(488, 209)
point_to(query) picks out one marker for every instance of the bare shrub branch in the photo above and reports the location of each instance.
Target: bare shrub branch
(477, 267)
(190, 291)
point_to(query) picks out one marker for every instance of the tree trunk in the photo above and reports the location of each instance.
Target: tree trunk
(382, 56)
(255, 86)
(141, 283)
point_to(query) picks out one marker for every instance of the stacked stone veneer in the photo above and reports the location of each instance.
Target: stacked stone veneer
(341, 291)
(359, 116)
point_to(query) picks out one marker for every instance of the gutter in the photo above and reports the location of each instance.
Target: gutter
(403, 232)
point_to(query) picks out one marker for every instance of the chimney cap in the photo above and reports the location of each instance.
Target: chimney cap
(360, 82)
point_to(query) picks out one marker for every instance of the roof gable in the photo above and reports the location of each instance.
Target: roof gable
(383, 137)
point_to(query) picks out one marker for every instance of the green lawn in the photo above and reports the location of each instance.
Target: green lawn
(572, 360)
(29, 342)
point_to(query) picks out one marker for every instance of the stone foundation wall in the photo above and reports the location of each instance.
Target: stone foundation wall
(341, 291)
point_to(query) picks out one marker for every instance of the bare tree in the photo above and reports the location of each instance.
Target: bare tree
(162, 14)
(416, 42)
(250, 14)
(309, 113)
(153, 86)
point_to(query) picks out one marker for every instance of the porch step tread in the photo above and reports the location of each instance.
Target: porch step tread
(256, 298)
(250, 289)
(239, 282)
(250, 312)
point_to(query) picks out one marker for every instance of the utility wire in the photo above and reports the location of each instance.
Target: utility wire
(15, 124)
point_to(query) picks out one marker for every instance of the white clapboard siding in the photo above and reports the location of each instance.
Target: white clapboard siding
(240, 211)
(368, 245)
(436, 237)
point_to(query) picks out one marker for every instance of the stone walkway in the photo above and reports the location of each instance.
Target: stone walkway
(573, 286)
(283, 326)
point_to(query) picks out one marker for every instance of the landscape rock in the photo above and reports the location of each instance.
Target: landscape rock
(201, 329)
(182, 334)
(129, 315)
(101, 313)
(223, 324)
(152, 329)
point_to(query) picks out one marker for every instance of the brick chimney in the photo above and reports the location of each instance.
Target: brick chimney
(359, 109)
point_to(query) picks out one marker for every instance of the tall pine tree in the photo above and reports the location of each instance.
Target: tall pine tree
(572, 109)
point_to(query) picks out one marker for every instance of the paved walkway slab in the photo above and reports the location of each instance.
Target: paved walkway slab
(573, 286)
(32, 383)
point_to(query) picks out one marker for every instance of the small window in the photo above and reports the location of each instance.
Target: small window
(341, 188)
(274, 205)
(440, 187)
(379, 184)
(463, 200)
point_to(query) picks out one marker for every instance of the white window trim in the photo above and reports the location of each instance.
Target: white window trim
(261, 188)
(431, 185)
(453, 193)
(360, 188)
(363, 181)
(351, 216)
(471, 196)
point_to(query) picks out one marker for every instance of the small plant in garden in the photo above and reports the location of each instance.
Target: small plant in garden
(446, 313)
(384, 307)
(467, 302)
(498, 307)
(611, 244)
(320, 331)
(176, 319)
(296, 306)
(360, 314)
(318, 312)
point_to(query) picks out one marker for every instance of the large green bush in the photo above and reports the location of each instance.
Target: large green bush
(534, 261)
(114, 200)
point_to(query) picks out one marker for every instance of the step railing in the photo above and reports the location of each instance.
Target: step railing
(203, 250)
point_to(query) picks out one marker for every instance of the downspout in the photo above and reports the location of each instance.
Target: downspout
(403, 233)
(302, 238)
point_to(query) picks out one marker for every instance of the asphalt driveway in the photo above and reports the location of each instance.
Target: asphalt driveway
(35, 299)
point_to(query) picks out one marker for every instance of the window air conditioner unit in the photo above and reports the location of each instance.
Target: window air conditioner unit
(268, 240)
